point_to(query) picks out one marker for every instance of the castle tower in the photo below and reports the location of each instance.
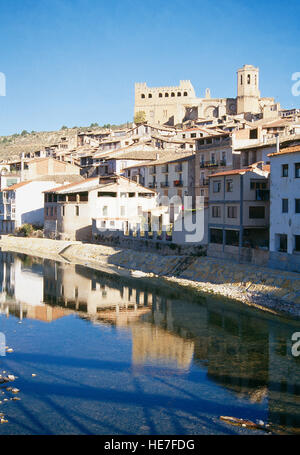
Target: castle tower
(248, 90)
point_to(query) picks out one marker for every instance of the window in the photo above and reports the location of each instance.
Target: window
(63, 210)
(285, 205)
(193, 135)
(166, 95)
(160, 95)
(105, 210)
(285, 170)
(172, 94)
(257, 212)
(241, 80)
(216, 211)
(142, 96)
(281, 240)
(229, 186)
(149, 96)
(297, 242)
(297, 170)
(216, 187)
(185, 94)
(77, 210)
(231, 212)
(216, 236)
(179, 94)
(297, 205)
(248, 79)
(257, 185)
(112, 223)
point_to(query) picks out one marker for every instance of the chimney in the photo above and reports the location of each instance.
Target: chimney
(277, 144)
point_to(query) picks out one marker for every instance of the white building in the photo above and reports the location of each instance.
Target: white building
(285, 209)
(23, 203)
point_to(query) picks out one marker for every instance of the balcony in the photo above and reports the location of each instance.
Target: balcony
(164, 184)
(178, 183)
(152, 185)
(212, 164)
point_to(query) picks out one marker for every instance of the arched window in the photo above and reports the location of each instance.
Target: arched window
(241, 79)
(142, 96)
(248, 79)
(185, 94)
(160, 95)
(179, 94)
(166, 95)
(172, 94)
(149, 96)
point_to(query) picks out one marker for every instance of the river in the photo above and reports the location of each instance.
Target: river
(95, 353)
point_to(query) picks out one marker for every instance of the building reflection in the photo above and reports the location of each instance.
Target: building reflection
(244, 351)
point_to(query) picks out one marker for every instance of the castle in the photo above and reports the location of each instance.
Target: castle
(174, 105)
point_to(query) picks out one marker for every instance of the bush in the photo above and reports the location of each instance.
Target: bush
(25, 230)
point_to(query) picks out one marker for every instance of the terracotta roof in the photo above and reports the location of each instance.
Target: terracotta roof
(16, 186)
(232, 172)
(284, 151)
(251, 168)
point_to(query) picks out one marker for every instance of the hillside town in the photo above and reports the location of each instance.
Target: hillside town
(220, 173)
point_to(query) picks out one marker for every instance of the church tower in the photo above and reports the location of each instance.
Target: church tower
(248, 90)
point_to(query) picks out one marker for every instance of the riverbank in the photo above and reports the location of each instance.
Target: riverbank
(267, 289)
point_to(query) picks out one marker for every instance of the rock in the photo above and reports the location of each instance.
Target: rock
(15, 390)
(242, 423)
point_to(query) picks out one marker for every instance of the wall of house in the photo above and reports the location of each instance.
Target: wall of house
(284, 223)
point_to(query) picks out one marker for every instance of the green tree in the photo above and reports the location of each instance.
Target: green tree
(140, 117)
(93, 125)
(24, 133)
(64, 127)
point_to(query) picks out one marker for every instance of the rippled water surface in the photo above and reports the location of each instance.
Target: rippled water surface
(99, 354)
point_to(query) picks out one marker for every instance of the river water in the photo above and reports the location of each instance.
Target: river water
(99, 354)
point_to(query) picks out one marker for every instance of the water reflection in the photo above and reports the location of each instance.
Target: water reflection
(244, 351)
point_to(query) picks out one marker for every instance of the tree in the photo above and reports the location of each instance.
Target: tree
(64, 127)
(24, 133)
(140, 117)
(93, 125)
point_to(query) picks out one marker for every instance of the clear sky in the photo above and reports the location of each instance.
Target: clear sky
(74, 62)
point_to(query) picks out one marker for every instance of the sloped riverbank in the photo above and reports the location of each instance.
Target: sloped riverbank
(267, 289)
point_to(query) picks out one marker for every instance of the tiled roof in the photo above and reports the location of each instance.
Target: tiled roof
(70, 185)
(284, 151)
(16, 186)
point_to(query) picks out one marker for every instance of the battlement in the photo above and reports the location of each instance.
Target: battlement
(184, 89)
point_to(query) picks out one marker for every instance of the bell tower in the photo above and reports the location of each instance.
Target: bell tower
(248, 93)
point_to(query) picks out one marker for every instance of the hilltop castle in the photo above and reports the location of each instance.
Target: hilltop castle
(174, 105)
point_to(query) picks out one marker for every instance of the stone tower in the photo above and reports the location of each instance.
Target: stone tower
(248, 90)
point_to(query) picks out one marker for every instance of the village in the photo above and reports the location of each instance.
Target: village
(219, 174)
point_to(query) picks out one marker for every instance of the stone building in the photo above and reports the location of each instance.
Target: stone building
(174, 105)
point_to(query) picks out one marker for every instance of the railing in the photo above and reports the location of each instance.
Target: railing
(164, 184)
(152, 185)
(212, 163)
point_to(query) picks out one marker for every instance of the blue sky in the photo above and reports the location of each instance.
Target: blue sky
(74, 62)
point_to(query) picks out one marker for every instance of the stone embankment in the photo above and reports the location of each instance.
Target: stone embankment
(264, 288)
